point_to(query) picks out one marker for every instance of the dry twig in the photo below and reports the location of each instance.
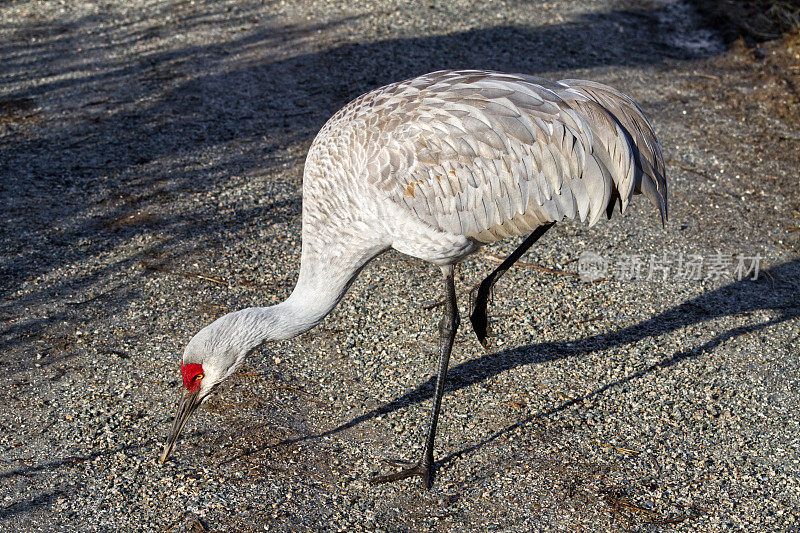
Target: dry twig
(617, 448)
(534, 266)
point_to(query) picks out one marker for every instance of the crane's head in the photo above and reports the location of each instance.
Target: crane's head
(210, 357)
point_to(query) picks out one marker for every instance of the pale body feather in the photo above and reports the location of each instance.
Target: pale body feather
(436, 165)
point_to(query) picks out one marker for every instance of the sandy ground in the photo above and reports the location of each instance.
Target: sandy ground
(151, 159)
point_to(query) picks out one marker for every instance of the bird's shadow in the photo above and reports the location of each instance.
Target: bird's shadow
(776, 289)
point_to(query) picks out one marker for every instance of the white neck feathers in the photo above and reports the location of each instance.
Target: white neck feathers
(323, 281)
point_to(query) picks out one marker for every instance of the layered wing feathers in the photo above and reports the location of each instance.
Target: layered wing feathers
(491, 155)
(650, 176)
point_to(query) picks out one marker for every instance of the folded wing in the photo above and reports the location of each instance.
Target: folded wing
(491, 155)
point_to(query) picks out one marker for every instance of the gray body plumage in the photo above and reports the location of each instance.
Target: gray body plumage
(436, 165)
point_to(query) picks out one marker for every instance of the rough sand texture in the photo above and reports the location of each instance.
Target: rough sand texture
(151, 154)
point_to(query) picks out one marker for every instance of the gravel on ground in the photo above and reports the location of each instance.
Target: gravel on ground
(151, 157)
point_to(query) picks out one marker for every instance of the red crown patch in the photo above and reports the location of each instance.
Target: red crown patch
(192, 375)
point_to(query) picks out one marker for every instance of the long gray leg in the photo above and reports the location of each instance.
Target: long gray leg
(447, 334)
(479, 300)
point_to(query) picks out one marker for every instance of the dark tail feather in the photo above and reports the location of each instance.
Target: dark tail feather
(650, 175)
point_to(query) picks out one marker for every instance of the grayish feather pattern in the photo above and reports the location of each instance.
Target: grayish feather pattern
(481, 155)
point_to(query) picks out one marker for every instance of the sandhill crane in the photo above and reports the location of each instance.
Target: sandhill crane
(434, 167)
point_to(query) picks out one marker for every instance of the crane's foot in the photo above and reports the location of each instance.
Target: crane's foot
(421, 469)
(478, 316)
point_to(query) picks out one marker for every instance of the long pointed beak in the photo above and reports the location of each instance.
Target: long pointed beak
(189, 402)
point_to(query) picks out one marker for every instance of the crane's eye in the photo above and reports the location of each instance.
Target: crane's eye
(192, 374)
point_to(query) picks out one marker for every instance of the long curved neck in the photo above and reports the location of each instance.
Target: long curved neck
(322, 283)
